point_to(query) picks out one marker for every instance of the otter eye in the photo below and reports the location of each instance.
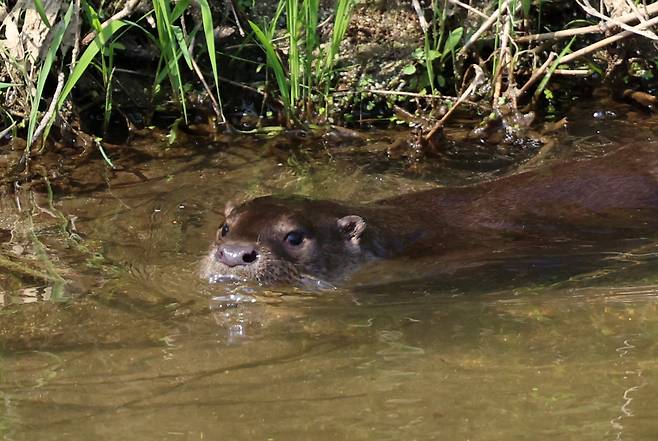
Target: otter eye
(224, 229)
(294, 238)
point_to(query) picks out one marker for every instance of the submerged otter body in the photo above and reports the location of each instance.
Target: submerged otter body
(295, 240)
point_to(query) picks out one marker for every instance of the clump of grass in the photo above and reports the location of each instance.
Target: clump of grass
(306, 83)
(63, 32)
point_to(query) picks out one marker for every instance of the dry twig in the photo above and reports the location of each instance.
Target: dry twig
(504, 59)
(51, 108)
(483, 28)
(606, 41)
(421, 17)
(76, 43)
(412, 94)
(477, 80)
(537, 73)
(126, 11)
(650, 10)
(213, 100)
(469, 8)
(572, 72)
(615, 22)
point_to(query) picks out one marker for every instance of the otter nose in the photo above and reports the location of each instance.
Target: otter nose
(234, 254)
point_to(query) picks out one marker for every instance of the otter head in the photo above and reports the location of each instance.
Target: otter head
(293, 240)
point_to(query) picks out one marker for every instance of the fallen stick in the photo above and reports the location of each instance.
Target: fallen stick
(572, 72)
(502, 61)
(412, 94)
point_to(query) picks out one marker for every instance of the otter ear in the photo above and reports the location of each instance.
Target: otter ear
(230, 206)
(352, 226)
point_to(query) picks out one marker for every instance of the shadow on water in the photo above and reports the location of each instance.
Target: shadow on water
(555, 344)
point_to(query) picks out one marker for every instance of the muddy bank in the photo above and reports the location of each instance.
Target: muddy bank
(511, 66)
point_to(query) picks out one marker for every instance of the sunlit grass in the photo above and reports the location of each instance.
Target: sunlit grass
(306, 83)
(171, 38)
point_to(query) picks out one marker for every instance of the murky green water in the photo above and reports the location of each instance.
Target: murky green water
(136, 347)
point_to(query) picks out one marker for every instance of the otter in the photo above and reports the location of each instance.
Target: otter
(299, 241)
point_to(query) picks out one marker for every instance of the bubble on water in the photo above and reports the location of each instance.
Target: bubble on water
(239, 313)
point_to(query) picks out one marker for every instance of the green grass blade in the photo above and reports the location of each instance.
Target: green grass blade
(294, 67)
(429, 66)
(341, 22)
(453, 40)
(526, 4)
(168, 45)
(179, 9)
(85, 60)
(38, 5)
(311, 10)
(208, 31)
(274, 62)
(60, 28)
(549, 73)
(87, 57)
(107, 111)
(182, 45)
(272, 28)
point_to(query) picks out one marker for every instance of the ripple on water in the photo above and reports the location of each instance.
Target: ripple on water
(499, 349)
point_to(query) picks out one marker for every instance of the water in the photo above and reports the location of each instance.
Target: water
(136, 346)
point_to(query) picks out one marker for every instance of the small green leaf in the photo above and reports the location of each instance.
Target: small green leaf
(432, 55)
(418, 53)
(409, 69)
(548, 94)
(453, 40)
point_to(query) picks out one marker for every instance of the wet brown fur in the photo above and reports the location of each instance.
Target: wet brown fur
(614, 195)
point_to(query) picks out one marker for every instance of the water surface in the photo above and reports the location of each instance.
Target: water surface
(135, 346)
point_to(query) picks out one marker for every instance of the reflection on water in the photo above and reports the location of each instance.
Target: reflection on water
(525, 348)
